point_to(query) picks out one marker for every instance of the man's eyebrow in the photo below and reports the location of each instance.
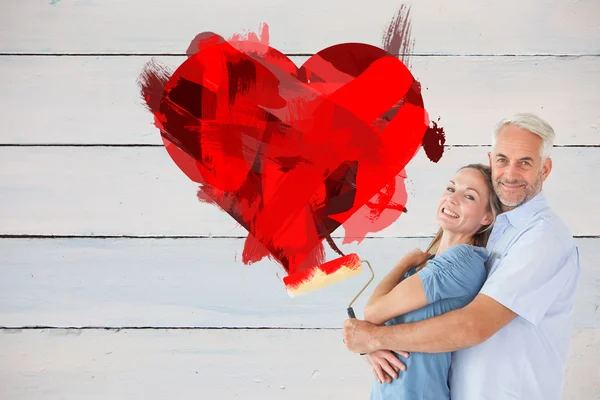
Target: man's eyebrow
(520, 159)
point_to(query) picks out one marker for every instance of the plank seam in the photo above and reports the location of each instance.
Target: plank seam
(42, 236)
(119, 328)
(162, 145)
(75, 54)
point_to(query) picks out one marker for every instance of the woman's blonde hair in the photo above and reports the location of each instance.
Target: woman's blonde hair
(494, 206)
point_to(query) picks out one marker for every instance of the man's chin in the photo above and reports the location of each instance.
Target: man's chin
(510, 201)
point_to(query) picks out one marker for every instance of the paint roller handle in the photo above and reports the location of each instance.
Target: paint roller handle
(349, 309)
(351, 313)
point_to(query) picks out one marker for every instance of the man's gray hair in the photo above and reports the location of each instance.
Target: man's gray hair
(533, 124)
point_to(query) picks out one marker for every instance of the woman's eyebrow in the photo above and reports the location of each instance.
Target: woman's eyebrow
(468, 188)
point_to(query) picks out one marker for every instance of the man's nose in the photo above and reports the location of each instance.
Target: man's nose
(511, 173)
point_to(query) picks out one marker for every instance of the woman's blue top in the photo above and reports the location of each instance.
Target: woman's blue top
(451, 280)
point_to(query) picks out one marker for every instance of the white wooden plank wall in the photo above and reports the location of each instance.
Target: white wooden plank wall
(105, 295)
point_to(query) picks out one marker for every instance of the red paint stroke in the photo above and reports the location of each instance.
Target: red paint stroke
(291, 153)
(397, 38)
(251, 37)
(379, 212)
(201, 41)
(152, 82)
(433, 142)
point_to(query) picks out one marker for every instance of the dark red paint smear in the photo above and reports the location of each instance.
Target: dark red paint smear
(397, 37)
(291, 154)
(433, 142)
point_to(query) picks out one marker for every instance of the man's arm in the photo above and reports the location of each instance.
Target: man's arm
(525, 283)
(455, 330)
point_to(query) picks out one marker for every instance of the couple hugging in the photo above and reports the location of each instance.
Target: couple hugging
(485, 313)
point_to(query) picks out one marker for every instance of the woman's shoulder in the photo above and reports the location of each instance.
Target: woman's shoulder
(466, 252)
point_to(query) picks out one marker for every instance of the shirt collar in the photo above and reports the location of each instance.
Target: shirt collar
(523, 213)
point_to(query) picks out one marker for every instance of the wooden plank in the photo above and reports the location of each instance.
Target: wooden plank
(197, 283)
(84, 100)
(140, 191)
(540, 26)
(223, 364)
(582, 375)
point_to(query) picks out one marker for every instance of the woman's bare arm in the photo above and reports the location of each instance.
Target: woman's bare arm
(395, 296)
(407, 296)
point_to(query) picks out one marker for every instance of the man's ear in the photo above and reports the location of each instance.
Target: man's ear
(546, 168)
(490, 158)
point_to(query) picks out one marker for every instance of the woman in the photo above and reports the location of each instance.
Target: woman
(447, 276)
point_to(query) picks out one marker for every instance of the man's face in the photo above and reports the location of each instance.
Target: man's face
(517, 168)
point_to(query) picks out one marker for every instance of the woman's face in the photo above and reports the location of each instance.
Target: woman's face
(463, 206)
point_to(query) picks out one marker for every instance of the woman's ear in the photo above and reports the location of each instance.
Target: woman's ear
(487, 219)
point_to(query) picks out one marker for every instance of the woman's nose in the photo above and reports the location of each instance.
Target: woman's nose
(452, 198)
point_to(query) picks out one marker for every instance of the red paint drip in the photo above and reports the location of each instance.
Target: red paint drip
(433, 142)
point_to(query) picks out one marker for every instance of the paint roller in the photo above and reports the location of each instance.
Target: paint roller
(326, 274)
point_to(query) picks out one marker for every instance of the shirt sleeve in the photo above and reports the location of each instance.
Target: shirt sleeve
(529, 277)
(457, 272)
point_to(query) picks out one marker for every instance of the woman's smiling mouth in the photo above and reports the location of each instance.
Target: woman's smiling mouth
(450, 213)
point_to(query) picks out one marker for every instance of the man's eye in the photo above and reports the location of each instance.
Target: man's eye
(526, 163)
(501, 160)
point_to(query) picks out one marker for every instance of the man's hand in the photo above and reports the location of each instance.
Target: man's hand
(386, 365)
(359, 336)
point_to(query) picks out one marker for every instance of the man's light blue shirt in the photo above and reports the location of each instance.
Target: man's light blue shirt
(533, 269)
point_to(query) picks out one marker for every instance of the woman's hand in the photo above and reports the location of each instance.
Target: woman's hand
(414, 257)
(386, 365)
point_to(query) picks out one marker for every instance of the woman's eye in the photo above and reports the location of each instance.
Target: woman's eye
(470, 197)
(450, 189)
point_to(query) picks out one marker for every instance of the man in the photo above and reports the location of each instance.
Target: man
(512, 341)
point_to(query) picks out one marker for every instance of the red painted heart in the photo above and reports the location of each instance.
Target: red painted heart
(291, 153)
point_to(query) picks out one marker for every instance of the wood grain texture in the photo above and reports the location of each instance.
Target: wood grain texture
(95, 100)
(197, 283)
(223, 364)
(140, 191)
(116, 26)
(470, 79)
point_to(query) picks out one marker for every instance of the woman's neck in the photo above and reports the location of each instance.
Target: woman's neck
(450, 239)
